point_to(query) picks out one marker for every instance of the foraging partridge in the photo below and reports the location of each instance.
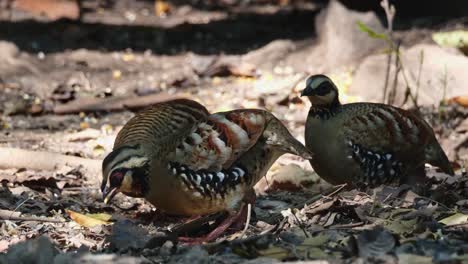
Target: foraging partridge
(188, 162)
(367, 143)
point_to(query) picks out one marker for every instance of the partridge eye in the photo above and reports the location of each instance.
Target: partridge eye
(323, 88)
(116, 178)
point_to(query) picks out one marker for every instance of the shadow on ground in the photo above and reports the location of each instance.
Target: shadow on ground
(237, 34)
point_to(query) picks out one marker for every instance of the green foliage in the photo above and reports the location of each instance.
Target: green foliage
(370, 32)
(458, 39)
(455, 39)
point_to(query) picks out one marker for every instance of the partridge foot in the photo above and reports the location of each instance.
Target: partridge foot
(231, 220)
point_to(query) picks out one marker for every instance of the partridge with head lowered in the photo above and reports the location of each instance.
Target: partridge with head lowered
(186, 161)
(367, 143)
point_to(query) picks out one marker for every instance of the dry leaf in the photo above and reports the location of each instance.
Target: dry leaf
(101, 216)
(460, 100)
(4, 244)
(53, 9)
(98, 150)
(274, 252)
(7, 214)
(161, 8)
(243, 70)
(89, 220)
(455, 219)
(85, 135)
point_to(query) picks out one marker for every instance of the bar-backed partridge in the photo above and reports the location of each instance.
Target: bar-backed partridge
(367, 143)
(188, 162)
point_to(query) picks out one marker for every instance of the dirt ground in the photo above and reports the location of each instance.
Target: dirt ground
(68, 86)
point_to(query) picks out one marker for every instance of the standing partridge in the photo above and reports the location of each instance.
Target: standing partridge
(367, 143)
(186, 161)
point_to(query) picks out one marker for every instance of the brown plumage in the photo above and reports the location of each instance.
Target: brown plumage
(367, 143)
(186, 161)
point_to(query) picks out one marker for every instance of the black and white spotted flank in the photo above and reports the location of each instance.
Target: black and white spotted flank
(209, 183)
(377, 167)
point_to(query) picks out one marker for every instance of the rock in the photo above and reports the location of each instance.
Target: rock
(195, 254)
(270, 55)
(8, 50)
(52, 9)
(375, 242)
(127, 235)
(97, 259)
(344, 44)
(288, 178)
(39, 251)
(439, 66)
(414, 9)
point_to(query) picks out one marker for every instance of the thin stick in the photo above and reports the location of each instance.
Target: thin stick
(392, 93)
(300, 223)
(418, 79)
(346, 226)
(247, 221)
(405, 78)
(387, 75)
(457, 225)
(340, 187)
(21, 204)
(5, 215)
(36, 219)
(91, 105)
(389, 14)
(42, 160)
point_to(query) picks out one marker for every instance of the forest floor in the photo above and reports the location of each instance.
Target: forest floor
(68, 86)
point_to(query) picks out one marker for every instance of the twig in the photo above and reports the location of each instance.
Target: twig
(21, 204)
(387, 198)
(340, 187)
(408, 86)
(299, 223)
(322, 207)
(457, 225)
(392, 93)
(9, 215)
(387, 75)
(418, 78)
(41, 160)
(320, 196)
(389, 14)
(247, 221)
(445, 83)
(439, 203)
(112, 104)
(346, 226)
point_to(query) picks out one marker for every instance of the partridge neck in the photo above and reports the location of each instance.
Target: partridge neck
(325, 111)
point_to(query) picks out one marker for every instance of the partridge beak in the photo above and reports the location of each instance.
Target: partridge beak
(109, 194)
(307, 91)
(298, 149)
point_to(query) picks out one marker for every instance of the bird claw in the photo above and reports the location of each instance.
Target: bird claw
(230, 221)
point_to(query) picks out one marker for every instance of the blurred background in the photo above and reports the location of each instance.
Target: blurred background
(72, 65)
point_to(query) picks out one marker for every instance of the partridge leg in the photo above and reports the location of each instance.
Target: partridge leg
(235, 220)
(415, 177)
(219, 230)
